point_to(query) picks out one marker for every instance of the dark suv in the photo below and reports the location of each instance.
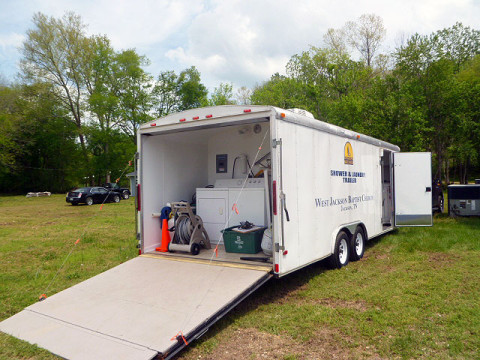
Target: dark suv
(123, 192)
(437, 196)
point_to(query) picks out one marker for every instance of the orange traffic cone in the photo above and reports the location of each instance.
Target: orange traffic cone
(165, 237)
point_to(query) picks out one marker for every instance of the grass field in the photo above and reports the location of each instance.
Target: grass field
(416, 293)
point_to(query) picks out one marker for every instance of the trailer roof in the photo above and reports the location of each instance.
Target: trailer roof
(225, 115)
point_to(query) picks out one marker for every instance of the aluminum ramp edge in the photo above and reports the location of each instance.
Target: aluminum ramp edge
(38, 329)
(203, 328)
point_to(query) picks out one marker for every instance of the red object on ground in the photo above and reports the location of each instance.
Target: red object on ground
(165, 237)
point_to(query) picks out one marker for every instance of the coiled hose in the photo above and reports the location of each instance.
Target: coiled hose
(184, 230)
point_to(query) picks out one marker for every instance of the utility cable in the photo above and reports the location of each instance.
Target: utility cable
(44, 296)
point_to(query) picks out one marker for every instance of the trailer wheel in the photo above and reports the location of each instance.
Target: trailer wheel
(340, 255)
(195, 249)
(357, 245)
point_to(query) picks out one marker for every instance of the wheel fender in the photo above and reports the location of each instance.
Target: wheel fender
(349, 228)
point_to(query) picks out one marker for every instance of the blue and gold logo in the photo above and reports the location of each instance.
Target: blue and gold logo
(348, 150)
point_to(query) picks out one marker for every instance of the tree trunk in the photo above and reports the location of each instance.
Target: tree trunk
(447, 171)
(106, 150)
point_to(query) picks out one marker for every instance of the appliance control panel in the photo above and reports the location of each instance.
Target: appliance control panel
(238, 183)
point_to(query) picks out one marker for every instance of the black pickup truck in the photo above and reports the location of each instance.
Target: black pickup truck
(124, 192)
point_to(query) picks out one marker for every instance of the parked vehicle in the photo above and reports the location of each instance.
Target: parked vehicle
(92, 195)
(463, 200)
(325, 191)
(437, 196)
(124, 192)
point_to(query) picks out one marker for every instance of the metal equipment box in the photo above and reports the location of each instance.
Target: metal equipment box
(464, 200)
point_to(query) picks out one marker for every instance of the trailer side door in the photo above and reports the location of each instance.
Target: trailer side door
(412, 188)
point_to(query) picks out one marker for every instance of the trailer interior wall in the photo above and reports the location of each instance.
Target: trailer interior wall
(174, 165)
(171, 167)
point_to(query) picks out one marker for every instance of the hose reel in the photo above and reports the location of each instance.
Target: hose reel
(189, 231)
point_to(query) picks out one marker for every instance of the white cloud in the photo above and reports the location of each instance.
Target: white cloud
(12, 40)
(239, 41)
(255, 39)
(140, 24)
(244, 42)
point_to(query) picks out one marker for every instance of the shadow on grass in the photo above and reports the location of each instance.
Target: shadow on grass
(372, 243)
(275, 290)
(271, 292)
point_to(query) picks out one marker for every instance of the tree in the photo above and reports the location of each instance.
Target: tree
(133, 92)
(38, 150)
(165, 93)
(335, 39)
(458, 43)
(173, 92)
(280, 91)
(366, 35)
(427, 67)
(10, 121)
(53, 52)
(222, 95)
(191, 92)
(118, 97)
(243, 96)
(467, 125)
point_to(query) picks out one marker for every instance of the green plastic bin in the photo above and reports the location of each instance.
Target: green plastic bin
(248, 243)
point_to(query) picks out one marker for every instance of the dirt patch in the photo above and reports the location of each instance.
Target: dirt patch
(441, 257)
(358, 305)
(253, 344)
(440, 260)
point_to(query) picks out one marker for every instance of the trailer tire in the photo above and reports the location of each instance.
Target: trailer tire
(340, 255)
(357, 245)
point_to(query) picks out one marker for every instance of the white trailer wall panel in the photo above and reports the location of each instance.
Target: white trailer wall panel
(322, 192)
(234, 141)
(171, 171)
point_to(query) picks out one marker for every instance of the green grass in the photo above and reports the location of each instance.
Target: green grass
(416, 293)
(36, 236)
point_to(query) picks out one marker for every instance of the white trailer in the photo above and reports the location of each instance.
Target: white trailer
(324, 192)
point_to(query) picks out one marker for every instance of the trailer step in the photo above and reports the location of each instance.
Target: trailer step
(266, 268)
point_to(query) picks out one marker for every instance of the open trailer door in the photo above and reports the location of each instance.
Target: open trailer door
(134, 310)
(412, 188)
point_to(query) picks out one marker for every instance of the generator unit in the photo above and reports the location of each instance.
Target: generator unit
(464, 200)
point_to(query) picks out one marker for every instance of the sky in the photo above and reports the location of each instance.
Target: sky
(242, 42)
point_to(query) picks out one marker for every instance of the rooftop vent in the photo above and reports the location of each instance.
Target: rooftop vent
(302, 112)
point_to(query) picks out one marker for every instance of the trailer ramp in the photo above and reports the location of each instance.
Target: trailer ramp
(135, 309)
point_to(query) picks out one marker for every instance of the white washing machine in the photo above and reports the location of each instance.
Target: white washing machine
(216, 208)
